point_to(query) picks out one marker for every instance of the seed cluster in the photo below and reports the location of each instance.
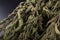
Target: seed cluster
(32, 20)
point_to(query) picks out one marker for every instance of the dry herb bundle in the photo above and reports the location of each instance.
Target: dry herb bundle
(32, 20)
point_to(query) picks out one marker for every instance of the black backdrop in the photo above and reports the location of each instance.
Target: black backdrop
(7, 6)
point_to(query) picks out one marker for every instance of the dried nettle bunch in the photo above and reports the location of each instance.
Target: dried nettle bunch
(32, 20)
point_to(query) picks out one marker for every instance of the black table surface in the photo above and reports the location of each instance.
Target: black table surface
(7, 6)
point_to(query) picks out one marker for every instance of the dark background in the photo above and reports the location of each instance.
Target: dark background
(7, 6)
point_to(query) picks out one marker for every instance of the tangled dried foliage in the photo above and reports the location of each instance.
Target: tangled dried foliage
(32, 20)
